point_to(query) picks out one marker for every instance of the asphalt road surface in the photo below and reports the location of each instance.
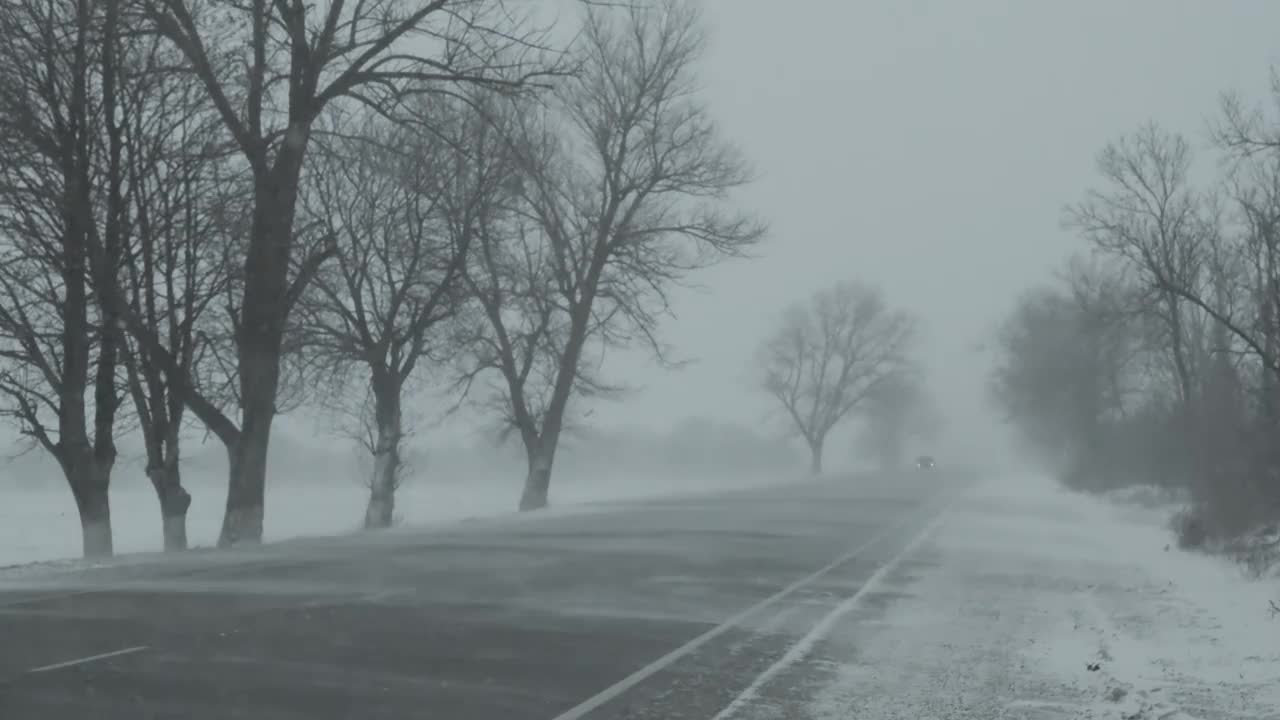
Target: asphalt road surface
(664, 609)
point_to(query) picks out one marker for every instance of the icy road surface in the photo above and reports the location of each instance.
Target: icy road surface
(917, 598)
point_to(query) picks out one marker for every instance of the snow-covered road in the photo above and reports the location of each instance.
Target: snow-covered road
(912, 597)
(1029, 602)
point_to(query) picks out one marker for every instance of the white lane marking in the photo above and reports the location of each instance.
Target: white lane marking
(91, 658)
(806, 644)
(645, 672)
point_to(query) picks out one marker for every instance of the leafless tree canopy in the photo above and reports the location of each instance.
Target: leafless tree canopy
(829, 354)
(63, 98)
(209, 207)
(270, 70)
(401, 203)
(622, 193)
(1157, 362)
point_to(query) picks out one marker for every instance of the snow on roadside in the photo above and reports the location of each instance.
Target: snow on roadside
(1034, 603)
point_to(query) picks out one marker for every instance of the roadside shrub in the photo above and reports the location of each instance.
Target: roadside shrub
(1188, 529)
(1258, 551)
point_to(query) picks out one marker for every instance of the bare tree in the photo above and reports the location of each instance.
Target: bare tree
(1073, 368)
(623, 187)
(401, 203)
(270, 69)
(176, 252)
(1198, 281)
(62, 192)
(1149, 215)
(1158, 364)
(1247, 304)
(829, 354)
(1252, 147)
(1255, 249)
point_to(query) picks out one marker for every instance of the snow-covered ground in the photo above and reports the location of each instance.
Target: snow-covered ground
(40, 524)
(1030, 602)
(1023, 601)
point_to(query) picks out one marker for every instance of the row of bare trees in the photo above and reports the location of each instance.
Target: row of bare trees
(846, 353)
(1156, 357)
(212, 210)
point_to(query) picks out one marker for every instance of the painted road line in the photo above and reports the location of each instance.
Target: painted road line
(805, 645)
(89, 659)
(639, 676)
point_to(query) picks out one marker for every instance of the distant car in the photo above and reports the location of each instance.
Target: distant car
(924, 462)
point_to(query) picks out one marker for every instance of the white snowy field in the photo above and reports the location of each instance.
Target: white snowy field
(38, 522)
(1030, 602)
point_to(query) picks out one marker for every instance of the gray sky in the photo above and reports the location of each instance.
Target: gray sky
(929, 146)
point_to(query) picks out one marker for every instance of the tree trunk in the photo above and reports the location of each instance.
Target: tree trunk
(247, 481)
(246, 489)
(259, 367)
(264, 313)
(541, 447)
(815, 457)
(537, 483)
(89, 484)
(386, 456)
(174, 503)
(382, 490)
(259, 339)
(95, 525)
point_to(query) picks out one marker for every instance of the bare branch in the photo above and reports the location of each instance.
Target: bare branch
(623, 191)
(832, 353)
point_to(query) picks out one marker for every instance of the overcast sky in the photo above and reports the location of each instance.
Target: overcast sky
(929, 146)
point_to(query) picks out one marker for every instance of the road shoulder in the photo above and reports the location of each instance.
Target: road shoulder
(1029, 602)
